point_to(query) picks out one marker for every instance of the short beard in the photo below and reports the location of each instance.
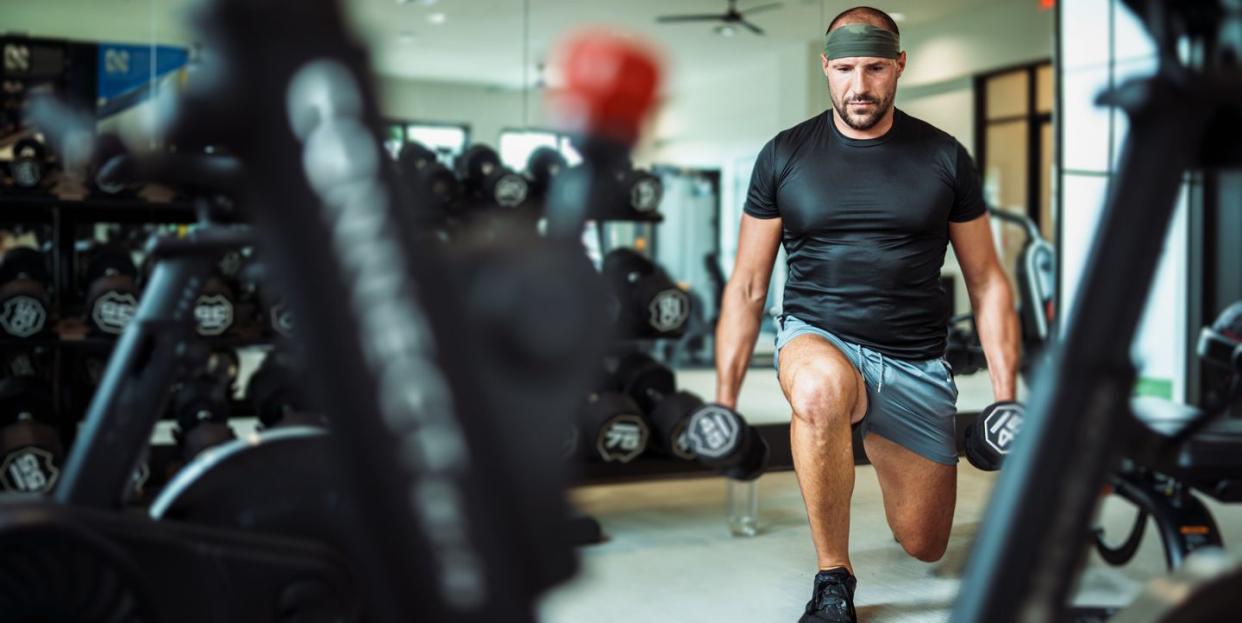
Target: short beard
(865, 122)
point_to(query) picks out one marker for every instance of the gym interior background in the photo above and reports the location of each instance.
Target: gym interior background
(1015, 81)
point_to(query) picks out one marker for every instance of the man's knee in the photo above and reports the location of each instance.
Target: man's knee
(824, 393)
(924, 545)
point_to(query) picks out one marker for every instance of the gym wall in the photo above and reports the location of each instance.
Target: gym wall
(1092, 137)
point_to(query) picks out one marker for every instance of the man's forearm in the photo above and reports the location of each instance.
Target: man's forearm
(736, 333)
(1001, 336)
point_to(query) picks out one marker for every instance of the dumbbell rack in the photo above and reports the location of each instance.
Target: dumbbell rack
(63, 217)
(742, 496)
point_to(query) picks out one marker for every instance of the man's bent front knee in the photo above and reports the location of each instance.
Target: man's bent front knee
(824, 394)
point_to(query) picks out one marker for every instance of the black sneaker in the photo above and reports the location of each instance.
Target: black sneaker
(833, 598)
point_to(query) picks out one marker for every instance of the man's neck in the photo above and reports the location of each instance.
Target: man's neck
(876, 131)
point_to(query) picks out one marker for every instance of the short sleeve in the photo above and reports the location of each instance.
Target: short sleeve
(968, 203)
(761, 197)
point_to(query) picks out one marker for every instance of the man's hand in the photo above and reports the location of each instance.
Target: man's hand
(992, 300)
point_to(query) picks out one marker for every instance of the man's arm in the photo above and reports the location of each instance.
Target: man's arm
(992, 301)
(741, 305)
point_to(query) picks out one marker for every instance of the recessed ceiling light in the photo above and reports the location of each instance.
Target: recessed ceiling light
(898, 17)
(725, 30)
(437, 18)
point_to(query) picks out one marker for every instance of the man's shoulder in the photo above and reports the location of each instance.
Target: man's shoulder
(801, 131)
(789, 141)
(919, 130)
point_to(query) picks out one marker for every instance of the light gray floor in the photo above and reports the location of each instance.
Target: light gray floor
(671, 557)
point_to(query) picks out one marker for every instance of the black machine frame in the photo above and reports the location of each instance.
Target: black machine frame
(1027, 553)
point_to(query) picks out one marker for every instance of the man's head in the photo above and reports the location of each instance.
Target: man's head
(862, 60)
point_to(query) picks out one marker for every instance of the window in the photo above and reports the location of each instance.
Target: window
(446, 139)
(516, 146)
(1015, 140)
(1013, 146)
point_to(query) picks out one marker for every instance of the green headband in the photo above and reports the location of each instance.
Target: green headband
(861, 40)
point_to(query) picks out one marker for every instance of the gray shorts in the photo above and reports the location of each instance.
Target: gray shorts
(912, 403)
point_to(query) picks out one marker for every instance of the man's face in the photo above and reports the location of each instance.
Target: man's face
(863, 87)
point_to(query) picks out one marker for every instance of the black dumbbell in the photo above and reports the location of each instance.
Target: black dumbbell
(201, 407)
(24, 300)
(30, 163)
(107, 146)
(721, 438)
(643, 190)
(24, 362)
(112, 290)
(653, 387)
(486, 179)
(989, 439)
(652, 305)
(543, 164)
(278, 319)
(428, 179)
(275, 397)
(963, 350)
(30, 447)
(612, 428)
(253, 283)
(215, 308)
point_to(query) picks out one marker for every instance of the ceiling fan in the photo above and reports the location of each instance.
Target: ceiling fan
(729, 20)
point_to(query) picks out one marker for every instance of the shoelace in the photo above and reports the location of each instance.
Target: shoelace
(824, 598)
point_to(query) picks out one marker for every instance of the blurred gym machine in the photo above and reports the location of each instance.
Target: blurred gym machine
(1080, 423)
(455, 498)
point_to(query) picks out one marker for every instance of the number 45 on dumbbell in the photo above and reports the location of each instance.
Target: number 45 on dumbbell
(990, 438)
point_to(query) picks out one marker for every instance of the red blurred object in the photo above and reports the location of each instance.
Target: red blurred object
(610, 85)
(1047, 4)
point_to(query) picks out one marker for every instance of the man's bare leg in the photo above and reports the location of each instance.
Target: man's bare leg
(919, 496)
(827, 394)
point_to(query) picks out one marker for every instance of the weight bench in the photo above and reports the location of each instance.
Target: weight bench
(1161, 479)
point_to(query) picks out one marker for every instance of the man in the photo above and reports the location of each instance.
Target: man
(866, 200)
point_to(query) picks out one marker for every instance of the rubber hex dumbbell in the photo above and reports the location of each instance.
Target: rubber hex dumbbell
(201, 407)
(108, 145)
(428, 179)
(543, 164)
(989, 439)
(24, 300)
(653, 387)
(643, 190)
(274, 316)
(963, 350)
(27, 361)
(612, 429)
(30, 163)
(721, 438)
(112, 290)
(30, 447)
(487, 180)
(215, 308)
(652, 305)
(275, 396)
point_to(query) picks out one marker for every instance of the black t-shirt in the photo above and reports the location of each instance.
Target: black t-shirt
(866, 225)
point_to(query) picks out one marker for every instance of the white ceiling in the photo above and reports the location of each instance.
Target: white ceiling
(482, 41)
